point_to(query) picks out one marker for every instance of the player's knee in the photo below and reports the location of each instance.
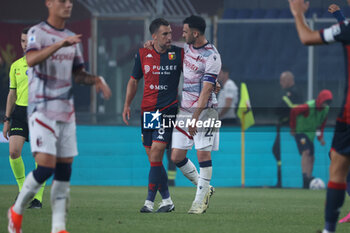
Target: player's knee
(41, 174)
(63, 171)
(307, 153)
(178, 160)
(15, 153)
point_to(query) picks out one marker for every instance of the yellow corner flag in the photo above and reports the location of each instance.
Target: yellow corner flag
(245, 112)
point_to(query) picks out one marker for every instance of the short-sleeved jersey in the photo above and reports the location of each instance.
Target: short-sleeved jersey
(200, 65)
(228, 91)
(50, 82)
(341, 33)
(19, 81)
(161, 74)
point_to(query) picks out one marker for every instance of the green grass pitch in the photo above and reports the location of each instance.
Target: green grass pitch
(116, 209)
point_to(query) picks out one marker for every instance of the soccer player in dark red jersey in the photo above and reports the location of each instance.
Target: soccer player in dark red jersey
(161, 68)
(340, 152)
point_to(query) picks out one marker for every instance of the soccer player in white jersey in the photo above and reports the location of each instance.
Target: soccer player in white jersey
(53, 55)
(202, 64)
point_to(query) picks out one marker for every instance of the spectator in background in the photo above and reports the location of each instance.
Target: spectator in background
(289, 98)
(305, 120)
(227, 98)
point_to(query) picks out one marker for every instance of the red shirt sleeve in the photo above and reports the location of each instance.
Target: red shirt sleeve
(300, 109)
(322, 129)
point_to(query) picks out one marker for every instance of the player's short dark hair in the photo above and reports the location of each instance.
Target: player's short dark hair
(25, 30)
(225, 69)
(196, 22)
(155, 25)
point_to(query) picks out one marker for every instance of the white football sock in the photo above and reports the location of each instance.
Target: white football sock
(190, 171)
(29, 189)
(59, 204)
(149, 204)
(203, 183)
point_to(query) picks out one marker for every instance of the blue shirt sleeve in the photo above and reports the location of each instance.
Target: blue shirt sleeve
(137, 70)
(339, 16)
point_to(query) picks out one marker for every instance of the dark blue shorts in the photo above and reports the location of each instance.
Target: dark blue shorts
(304, 143)
(341, 138)
(161, 135)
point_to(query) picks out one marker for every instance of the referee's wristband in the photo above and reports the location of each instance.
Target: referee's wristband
(6, 119)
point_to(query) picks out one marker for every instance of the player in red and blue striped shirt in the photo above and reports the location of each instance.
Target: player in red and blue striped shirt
(161, 68)
(340, 152)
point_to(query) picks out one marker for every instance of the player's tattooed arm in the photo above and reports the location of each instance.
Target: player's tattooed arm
(202, 102)
(83, 77)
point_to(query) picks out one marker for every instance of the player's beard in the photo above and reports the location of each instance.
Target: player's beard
(190, 40)
(165, 46)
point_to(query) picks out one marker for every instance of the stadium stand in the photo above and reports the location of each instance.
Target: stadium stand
(274, 13)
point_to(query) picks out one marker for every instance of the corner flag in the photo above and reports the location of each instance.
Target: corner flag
(245, 112)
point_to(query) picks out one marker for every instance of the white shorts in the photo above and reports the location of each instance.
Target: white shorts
(52, 137)
(206, 139)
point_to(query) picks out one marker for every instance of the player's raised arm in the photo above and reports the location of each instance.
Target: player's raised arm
(334, 9)
(35, 56)
(306, 35)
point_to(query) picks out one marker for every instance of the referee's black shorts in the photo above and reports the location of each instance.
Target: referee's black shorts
(19, 122)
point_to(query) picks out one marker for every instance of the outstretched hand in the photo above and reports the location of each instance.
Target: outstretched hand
(148, 44)
(322, 141)
(298, 6)
(102, 86)
(217, 88)
(126, 115)
(333, 8)
(6, 130)
(71, 40)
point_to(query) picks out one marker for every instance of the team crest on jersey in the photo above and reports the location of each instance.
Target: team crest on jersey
(31, 39)
(171, 56)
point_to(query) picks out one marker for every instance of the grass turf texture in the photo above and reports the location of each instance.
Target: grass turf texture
(116, 209)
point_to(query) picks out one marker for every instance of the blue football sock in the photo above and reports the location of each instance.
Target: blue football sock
(154, 180)
(163, 185)
(335, 200)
